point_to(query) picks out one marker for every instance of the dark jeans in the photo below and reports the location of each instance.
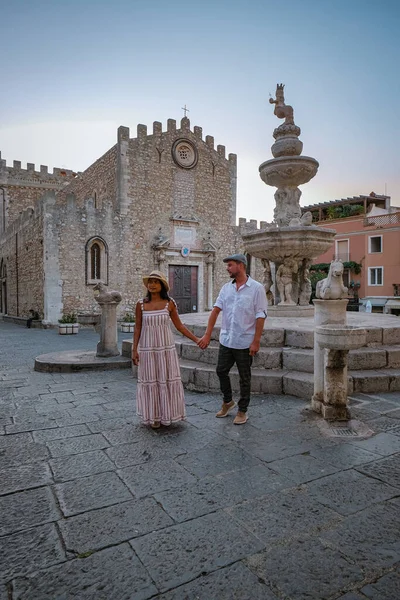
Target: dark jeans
(227, 357)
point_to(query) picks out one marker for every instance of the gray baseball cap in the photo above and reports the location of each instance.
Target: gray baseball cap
(237, 258)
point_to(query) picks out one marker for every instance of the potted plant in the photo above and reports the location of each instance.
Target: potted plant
(68, 324)
(128, 323)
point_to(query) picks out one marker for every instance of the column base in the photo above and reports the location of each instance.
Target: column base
(330, 412)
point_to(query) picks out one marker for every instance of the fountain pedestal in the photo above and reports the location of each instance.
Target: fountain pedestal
(332, 341)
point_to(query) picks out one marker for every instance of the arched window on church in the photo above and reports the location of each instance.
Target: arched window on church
(95, 199)
(96, 261)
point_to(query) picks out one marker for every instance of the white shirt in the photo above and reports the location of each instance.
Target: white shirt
(240, 309)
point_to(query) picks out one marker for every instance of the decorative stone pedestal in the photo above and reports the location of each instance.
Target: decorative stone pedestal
(332, 342)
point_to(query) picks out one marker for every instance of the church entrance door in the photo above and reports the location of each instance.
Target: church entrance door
(183, 284)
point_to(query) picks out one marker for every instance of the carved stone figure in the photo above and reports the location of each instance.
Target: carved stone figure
(332, 287)
(287, 205)
(106, 296)
(284, 280)
(268, 281)
(305, 285)
(282, 111)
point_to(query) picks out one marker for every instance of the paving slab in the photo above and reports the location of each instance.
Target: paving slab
(304, 570)
(283, 516)
(350, 491)
(25, 552)
(110, 573)
(66, 468)
(384, 444)
(385, 469)
(155, 476)
(371, 537)
(97, 529)
(212, 493)
(187, 550)
(95, 491)
(386, 588)
(11, 456)
(60, 433)
(24, 477)
(77, 445)
(26, 509)
(235, 582)
(217, 457)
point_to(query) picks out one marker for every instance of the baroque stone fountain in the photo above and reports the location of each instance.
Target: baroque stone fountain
(288, 246)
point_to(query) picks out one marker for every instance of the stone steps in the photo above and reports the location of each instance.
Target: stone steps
(288, 370)
(202, 377)
(296, 359)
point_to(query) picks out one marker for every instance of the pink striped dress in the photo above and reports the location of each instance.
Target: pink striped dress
(160, 395)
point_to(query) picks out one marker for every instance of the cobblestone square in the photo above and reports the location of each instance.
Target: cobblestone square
(95, 506)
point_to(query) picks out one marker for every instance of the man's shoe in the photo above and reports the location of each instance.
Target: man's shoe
(226, 409)
(240, 419)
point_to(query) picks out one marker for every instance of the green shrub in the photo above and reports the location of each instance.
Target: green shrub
(68, 318)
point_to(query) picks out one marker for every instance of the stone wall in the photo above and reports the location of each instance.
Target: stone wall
(96, 183)
(21, 249)
(22, 187)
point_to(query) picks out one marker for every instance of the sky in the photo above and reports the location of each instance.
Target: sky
(72, 71)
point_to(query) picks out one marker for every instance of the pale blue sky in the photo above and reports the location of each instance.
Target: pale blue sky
(73, 71)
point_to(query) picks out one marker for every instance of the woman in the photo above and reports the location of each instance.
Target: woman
(160, 398)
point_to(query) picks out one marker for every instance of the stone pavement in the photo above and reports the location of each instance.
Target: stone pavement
(95, 506)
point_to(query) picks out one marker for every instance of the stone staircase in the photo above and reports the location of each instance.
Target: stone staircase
(285, 363)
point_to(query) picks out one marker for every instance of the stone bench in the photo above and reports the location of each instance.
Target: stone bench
(22, 321)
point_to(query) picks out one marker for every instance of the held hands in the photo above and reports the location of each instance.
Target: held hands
(203, 342)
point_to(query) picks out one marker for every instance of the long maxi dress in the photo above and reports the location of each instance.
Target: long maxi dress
(160, 395)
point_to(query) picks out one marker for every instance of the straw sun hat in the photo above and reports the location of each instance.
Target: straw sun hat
(156, 275)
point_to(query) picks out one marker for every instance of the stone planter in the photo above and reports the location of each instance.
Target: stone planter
(68, 328)
(127, 327)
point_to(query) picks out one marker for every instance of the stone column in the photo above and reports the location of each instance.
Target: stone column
(327, 312)
(108, 346)
(210, 280)
(335, 385)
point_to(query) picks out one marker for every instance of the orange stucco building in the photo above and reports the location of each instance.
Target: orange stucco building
(367, 233)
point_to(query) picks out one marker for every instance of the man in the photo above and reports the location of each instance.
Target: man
(244, 310)
(34, 316)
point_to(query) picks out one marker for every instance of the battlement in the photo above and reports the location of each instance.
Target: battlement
(15, 172)
(251, 225)
(157, 130)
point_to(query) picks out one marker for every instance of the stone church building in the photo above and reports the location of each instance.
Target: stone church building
(164, 200)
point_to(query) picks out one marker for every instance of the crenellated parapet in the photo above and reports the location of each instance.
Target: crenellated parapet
(158, 132)
(251, 226)
(15, 175)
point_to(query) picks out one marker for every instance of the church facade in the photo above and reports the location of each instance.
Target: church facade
(164, 200)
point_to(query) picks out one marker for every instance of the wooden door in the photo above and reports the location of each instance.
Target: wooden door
(183, 284)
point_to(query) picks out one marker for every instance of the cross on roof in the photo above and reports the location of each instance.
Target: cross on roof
(185, 109)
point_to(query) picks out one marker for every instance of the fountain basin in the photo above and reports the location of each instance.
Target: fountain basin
(294, 242)
(340, 337)
(288, 171)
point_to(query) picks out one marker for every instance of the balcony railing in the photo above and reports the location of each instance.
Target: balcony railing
(382, 220)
